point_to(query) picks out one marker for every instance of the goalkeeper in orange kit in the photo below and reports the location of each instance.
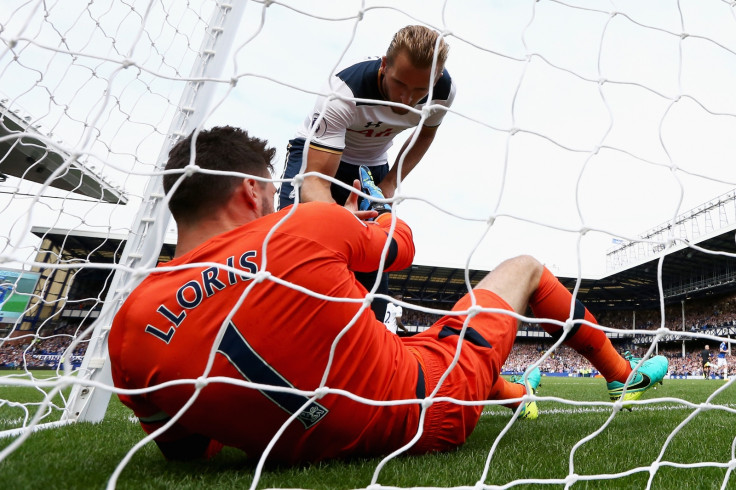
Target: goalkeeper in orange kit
(269, 301)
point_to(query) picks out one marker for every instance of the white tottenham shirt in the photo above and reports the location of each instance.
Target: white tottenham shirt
(392, 313)
(363, 129)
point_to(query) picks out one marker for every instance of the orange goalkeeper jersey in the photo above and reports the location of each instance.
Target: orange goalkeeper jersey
(278, 337)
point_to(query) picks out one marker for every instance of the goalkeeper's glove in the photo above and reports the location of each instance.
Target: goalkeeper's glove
(369, 187)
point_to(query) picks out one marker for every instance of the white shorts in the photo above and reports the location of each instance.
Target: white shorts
(721, 362)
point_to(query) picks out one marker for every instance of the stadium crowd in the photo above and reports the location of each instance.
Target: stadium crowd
(700, 317)
(564, 360)
(42, 351)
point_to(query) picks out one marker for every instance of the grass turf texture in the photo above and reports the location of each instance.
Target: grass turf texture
(85, 455)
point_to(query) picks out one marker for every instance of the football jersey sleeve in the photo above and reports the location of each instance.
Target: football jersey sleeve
(361, 244)
(328, 131)
(368, 249)
(178, 443)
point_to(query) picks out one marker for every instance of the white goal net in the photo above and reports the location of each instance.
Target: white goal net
(577, 125)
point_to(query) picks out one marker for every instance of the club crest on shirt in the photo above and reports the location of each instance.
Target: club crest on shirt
(321, 129)
(312, 414)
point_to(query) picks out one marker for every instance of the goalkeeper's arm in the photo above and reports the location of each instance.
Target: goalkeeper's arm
(192, 447)
(177, 443)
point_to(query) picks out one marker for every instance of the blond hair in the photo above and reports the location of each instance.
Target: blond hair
(418, 43)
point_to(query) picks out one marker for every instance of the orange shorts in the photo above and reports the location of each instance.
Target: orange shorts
(487, 343)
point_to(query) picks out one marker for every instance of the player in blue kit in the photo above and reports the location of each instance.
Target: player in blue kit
(347, 133)
(721, 360)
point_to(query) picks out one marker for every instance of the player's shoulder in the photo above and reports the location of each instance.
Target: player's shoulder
(362, 78)
(444, 87)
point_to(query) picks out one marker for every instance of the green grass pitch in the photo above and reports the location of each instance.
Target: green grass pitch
(85, 455)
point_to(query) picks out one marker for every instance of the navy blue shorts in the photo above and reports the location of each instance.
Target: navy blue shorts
(346, 172)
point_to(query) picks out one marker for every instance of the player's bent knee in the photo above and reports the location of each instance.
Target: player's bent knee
(514, 280)
(529, 263)
(521, 270)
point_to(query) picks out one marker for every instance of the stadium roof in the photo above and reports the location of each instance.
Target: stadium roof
(29, 158)
(686, 273)
(95, 246)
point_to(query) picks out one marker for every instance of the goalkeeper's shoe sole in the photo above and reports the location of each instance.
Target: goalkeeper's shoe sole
(534, 380)
(529, 411)
(651, 372)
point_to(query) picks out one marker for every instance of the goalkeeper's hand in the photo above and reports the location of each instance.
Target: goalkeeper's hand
(352, 205)
(369, 187)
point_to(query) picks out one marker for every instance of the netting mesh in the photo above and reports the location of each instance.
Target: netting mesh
(576, 124)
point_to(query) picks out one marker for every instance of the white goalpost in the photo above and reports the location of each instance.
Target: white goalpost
(577, 126)
(145, 237)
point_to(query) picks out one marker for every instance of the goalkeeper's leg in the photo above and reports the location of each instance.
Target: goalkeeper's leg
(487, 341)
(528, 384)
(552, 300)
